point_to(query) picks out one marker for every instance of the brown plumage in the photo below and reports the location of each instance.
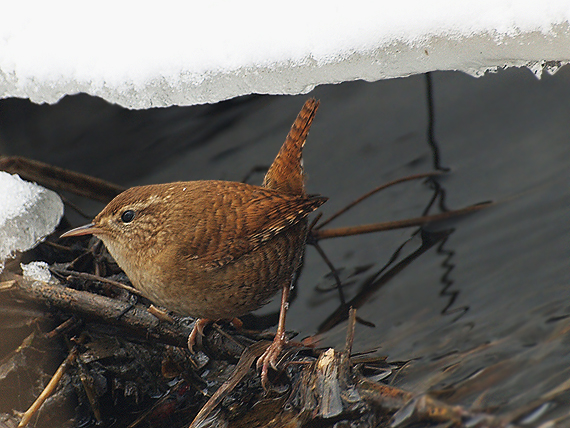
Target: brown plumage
(215, 249)
(286, 173)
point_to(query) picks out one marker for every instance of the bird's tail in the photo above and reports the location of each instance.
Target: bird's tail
(286, 172)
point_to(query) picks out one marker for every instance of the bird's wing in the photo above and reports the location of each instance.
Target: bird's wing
(249, 224)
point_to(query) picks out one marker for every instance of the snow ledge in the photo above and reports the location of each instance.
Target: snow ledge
(476, 54)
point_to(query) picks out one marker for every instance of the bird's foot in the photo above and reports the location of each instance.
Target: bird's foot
(197, 333)
(270, 358)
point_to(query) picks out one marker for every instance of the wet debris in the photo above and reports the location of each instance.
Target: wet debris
(120, 369)
(85, 350)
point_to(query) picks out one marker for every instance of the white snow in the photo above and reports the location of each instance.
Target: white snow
(142, 54)
(28, 213)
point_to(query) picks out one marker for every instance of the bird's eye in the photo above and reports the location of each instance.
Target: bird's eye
(128, 216)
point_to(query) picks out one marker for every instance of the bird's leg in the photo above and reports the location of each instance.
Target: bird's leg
(271, 354)
(197, 333)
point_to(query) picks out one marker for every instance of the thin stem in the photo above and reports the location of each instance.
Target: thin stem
(374, 191)
(398, 224)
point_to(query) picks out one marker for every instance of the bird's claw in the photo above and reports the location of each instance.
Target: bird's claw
(269, 358)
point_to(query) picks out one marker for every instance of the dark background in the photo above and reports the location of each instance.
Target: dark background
(483, 315)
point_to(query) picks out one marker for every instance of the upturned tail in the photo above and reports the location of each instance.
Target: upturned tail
(286, 172)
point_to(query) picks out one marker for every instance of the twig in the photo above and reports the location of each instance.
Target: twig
(227, 336)
(92, 277)
(160, 314)
(60, 179)
(398, 224)
(350, 328)
(345, 356)
(242, 367)
(57, 246)
(48, 390)
(374, 191)
(61, 328)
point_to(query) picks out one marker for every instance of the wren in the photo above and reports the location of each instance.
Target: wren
(216, 249)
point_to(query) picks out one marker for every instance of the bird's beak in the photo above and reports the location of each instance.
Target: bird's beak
(88, 229)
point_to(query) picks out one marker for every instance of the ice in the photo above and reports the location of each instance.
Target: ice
(37, 271)
(179, 53)
(28, 213)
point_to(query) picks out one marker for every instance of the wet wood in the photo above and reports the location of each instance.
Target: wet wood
(134, 318)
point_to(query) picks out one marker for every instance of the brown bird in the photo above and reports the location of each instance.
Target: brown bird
(215, 249)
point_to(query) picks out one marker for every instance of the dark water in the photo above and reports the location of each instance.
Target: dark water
(483, 314)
